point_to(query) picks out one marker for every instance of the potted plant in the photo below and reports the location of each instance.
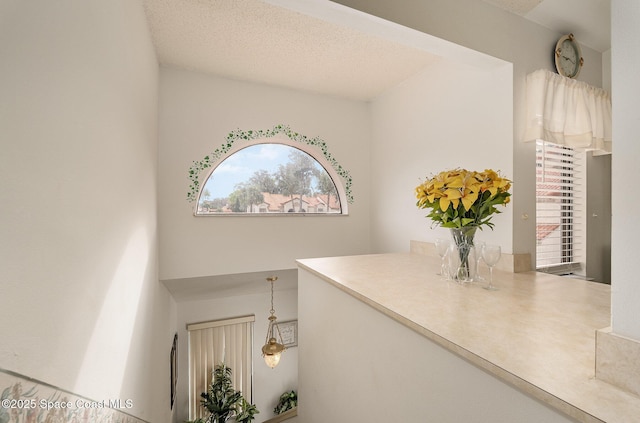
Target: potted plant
(223, 402)
(246, 412)
(288, 400)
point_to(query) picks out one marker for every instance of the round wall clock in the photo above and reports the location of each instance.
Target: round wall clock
(568, 56)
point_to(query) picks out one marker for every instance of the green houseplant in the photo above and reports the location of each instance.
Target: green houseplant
(223, 402)
(287, 401)
(246, 412)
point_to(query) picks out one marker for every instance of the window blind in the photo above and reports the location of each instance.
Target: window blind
(211, 343)
(559, 207)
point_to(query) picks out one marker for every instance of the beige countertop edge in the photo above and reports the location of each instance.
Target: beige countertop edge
(520, 383)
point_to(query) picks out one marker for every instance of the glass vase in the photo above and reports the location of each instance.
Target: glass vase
(462, 256)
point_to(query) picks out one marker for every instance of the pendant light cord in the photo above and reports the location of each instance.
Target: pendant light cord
(272, 311)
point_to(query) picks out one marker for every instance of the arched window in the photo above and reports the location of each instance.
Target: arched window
(276, 172)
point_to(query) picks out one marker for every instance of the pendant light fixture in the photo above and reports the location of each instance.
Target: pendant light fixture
(272, 349)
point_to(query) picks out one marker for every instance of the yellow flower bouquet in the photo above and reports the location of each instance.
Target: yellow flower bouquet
(463, 201)
(460, 198)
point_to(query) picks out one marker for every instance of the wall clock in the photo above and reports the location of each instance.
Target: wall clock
(568, 56)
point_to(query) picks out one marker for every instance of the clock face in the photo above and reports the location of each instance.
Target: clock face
(568, 57)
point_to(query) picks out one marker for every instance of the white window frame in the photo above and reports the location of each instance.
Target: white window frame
(342, 197)
(279, 134)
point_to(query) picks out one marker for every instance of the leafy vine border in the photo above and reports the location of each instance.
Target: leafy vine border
(239, 135)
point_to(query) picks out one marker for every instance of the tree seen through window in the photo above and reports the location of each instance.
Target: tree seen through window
(269, 178)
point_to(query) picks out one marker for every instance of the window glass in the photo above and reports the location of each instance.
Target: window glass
(269, 178)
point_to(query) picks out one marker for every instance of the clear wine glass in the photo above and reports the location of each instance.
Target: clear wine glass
(442, 246)
(478, 245)
(491, 256)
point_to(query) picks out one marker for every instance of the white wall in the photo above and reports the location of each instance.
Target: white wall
(268, 384)
(197, 112)
(450, 116)
(80, 303)
(625, 64)
(391, 373)
(482, 27)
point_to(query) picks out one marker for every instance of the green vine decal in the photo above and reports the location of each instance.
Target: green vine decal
(239, 136)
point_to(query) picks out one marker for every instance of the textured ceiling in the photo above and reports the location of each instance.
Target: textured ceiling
(255, 41)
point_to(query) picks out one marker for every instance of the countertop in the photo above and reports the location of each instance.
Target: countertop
(537, 332)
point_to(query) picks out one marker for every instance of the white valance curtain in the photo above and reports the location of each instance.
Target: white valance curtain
(567, 112)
